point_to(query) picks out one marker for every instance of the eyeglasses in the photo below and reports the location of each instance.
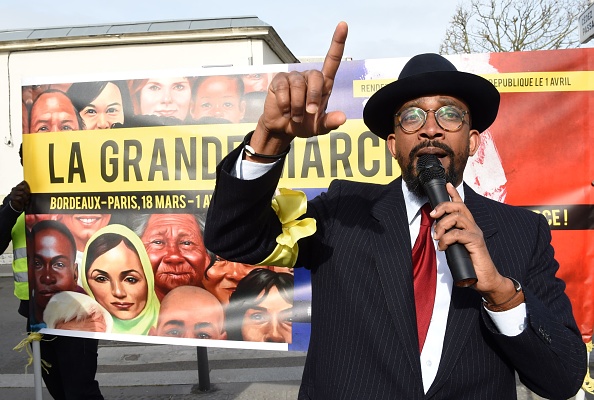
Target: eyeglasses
(449, 118)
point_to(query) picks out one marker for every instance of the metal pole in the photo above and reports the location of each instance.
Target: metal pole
(37, 369)
(203, 370)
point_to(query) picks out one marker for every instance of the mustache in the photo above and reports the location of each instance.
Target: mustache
(408, 172)
(431, 143)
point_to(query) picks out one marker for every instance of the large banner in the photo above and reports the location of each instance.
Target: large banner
(117, 215)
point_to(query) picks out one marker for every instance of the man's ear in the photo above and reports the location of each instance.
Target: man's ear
(475, 141)
(391, 143)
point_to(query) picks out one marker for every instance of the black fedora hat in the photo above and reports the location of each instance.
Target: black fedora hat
(427, 75)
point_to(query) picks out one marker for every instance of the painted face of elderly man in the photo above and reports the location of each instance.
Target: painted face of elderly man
(176, 250)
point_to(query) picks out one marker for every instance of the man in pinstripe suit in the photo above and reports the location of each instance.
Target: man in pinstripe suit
(364, 342)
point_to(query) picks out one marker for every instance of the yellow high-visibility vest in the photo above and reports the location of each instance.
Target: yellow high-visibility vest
(19, 259)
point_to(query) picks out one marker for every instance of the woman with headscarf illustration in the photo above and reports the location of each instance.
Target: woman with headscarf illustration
(118, 274)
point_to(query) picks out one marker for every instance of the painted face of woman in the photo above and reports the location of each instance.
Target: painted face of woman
(118, 283)
(270, 320)
(105, 110)
(166, 97)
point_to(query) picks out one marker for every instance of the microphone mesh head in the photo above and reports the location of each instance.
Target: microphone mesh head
(429, 167)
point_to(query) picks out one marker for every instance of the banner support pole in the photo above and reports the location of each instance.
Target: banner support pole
(37, 369)
(203, 369)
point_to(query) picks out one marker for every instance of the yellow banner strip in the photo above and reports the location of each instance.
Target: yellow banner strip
(181, 158)
(513, 82)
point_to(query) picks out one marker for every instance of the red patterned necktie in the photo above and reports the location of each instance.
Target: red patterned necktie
(424, 274)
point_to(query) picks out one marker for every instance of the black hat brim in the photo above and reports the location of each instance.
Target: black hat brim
(481, 97)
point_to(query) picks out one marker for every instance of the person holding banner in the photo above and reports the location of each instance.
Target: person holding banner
(12, 229)
(73, 360)
(118, 274)
(357, 239)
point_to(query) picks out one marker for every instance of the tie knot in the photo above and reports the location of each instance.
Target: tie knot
(426, 220)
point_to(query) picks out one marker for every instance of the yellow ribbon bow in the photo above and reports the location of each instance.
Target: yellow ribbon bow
(288, 206)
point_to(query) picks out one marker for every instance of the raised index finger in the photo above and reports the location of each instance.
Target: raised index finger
(334, 55)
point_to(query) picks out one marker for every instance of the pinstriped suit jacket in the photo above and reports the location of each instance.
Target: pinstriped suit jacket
(364, 340)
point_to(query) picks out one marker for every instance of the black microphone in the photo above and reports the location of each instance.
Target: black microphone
(433, 179)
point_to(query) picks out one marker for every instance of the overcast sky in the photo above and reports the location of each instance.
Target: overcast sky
(377, 28)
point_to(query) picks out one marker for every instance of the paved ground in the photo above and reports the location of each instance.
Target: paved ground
(134, 371)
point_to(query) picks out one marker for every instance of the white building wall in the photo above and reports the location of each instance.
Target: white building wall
(11, 172)
(268, 56)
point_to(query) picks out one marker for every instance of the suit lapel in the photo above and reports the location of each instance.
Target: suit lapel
(394, 267)
(464, 312)
(480, 213)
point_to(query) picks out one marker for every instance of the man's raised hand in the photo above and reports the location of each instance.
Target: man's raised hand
(296, 102)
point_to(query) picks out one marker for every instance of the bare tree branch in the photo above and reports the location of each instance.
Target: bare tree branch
(480, 26)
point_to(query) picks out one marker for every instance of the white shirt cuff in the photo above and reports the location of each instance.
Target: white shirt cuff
(249, 170)
(511, 322)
